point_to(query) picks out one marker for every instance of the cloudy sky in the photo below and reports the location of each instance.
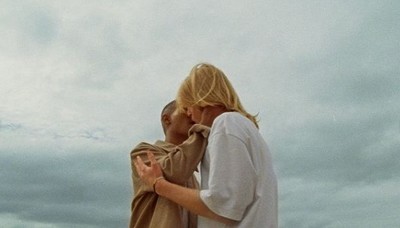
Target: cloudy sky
(82, 82)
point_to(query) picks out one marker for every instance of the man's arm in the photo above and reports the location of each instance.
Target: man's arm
(179, 164)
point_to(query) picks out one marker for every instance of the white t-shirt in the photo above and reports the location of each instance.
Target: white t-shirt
(237, 177)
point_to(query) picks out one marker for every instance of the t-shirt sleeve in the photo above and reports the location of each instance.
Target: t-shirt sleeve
(232, 177)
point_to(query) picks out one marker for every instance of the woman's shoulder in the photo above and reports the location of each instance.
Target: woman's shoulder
(230, 117)
(232, 121)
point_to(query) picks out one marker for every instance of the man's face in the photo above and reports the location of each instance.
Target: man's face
(180, 123)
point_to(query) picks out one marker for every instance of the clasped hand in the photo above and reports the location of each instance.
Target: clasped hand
(148, 174)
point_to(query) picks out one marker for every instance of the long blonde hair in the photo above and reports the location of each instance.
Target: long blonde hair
(207, 85)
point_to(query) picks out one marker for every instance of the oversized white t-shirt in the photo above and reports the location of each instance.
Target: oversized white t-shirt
(237, 176)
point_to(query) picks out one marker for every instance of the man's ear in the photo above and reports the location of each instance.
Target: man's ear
(166, 120)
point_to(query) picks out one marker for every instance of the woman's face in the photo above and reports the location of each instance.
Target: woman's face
(195, 112)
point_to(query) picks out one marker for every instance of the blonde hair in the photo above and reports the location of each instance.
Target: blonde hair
(207, 85)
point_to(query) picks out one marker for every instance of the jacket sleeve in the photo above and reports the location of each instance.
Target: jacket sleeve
(178, 166)
(141, 150)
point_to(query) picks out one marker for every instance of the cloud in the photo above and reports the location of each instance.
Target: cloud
(82, 83)
(44, 185)
(355, 205)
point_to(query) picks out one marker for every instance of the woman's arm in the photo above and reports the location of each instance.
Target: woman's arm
(187, 198)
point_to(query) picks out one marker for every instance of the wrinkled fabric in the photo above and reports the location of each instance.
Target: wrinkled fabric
(178, 165)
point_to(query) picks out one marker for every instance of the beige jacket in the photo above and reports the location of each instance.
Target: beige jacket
(178, 163)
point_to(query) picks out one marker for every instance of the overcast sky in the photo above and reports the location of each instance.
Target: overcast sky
(82, 82)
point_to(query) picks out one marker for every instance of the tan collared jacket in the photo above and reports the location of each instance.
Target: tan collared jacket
(178, 164)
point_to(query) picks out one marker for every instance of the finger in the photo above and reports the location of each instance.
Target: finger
(140, 162)
(155, 166)
(137, 167)
(151, 157)
(141, 165)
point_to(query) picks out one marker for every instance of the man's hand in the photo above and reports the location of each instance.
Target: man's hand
(148, 174)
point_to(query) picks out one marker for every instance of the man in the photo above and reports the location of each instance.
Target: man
(238, 182)
(150, 210)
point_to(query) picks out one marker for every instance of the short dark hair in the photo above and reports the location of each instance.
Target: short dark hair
(167, 110)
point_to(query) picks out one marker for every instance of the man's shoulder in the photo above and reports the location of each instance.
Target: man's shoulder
(144, 146)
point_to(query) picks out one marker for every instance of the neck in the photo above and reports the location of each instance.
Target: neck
(175, 139)
(210, 113)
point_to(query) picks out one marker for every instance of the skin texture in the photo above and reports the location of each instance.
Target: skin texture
(177, 126)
